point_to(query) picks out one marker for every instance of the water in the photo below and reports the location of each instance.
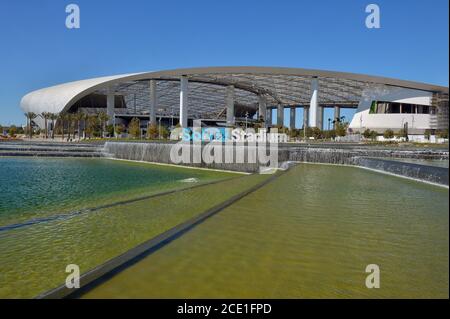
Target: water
(34, 188)
(428, 162)
(309, 234)
(34, 258)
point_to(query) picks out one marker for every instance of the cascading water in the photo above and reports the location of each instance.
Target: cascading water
(373, 158)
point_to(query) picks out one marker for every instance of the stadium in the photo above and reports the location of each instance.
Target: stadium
(231, 96)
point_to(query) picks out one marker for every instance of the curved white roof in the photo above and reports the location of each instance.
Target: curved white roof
(283, 85)
(55, 98)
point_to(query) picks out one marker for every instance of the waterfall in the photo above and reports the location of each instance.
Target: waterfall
(368, 157)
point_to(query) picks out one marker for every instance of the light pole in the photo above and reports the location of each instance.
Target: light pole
(159, 128)
(114, 125)
(304, 127)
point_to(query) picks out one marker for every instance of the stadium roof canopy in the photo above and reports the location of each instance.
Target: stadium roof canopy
(207, 89)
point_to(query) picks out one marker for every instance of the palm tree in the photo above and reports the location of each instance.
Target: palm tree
(103, 117)
(62, 120)
(70, 118)
(30, 117)
(26, 115)
(45, 116)
(91, 124)
(78, 118)
(85, 123)
(53, 118)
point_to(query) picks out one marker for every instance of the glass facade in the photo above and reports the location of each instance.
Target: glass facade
(382, 107)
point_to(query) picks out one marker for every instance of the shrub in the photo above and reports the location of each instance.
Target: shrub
(12, 131)
(373, 135)
(341, 129)
(401, 133)
(110, 130)
(388, 134)
(330, 134)
(427, 134)
(152, 131)
(119, 129)
(367, 134)
(164, 132)
(442, 133)
(134, 128)
(317, 133)
(294, 133)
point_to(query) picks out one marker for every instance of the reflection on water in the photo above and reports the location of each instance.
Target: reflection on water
(309, 234)
(34, 188)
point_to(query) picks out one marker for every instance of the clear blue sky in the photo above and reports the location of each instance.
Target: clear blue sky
(36, 49)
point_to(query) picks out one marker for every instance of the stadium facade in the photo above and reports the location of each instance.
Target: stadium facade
(232, 95)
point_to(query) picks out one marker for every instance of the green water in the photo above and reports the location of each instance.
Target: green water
(309, 234)
(34, 188)
(34, 258)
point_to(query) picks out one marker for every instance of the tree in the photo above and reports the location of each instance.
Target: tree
(119, 129)
(53, 118)
(164, 132)
(134, 128)
(110, 130)
(367, 133)
(373, 135)
(79, 116)
(401, 133)
(294, 133)
(330, 134)
(427, 134)
(283, 129)
(70, 119)
(62, 123)
(152, 131)
(85, 120)
(341, 128)
(388, 134)
(30, 117)
(442, 133)
(91, 124)
(317, 133)
(12, 131)
(45, 116)
(103, 117)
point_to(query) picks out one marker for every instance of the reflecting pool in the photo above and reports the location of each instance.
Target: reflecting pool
(308, 234)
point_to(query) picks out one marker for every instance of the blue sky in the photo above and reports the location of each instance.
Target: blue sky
(37, 50)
